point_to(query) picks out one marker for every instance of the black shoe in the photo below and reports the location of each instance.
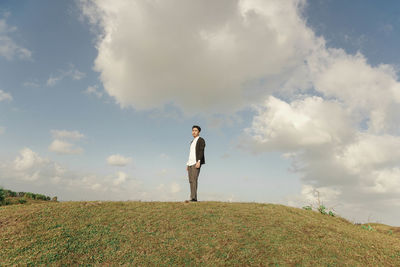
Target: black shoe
(193, 200)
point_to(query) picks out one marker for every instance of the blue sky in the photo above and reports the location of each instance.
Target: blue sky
(55, 53)
(368, 26)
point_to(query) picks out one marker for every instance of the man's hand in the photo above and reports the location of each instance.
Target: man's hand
(198, 164)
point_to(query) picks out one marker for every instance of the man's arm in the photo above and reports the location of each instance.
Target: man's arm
(202, 144)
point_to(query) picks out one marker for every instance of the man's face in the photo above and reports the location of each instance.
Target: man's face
(195, 132)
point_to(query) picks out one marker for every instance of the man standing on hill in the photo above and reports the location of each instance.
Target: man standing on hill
(196, 159)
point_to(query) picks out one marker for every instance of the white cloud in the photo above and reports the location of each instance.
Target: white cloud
(311, 121)
(164, 156)
(121, 177)
(28, 166)
(160, 186)
(63, 147)
(93, 90)
(31, 84)
(71, 72)
(27, 160)
(313, 196)
(53, 80)
(151, 54)
(118, 160)
(343, 142)
(168, 192)
(162, 172)
(5, 96)
(8, 47)
(76, 135)
(371, 92)
(175, 187)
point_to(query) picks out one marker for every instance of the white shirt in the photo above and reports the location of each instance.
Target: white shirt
(192, 153)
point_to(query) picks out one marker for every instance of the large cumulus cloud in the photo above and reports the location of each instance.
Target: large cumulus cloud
(342, 139)
(202, 56)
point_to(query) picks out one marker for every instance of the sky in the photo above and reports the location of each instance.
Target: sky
(295, 99)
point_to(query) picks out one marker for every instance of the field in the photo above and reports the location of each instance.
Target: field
(188, 234)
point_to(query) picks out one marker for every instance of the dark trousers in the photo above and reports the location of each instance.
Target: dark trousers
(193, 173)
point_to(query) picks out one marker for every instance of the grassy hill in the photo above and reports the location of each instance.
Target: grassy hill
(203, 233)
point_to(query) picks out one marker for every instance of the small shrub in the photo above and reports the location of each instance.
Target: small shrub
(2, 195)
(321, 209)
(41, 197)
(10, 193)
(29, 195)
(54, 199)
(369, 227)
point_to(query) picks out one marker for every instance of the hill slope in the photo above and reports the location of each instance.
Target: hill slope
(173, 233)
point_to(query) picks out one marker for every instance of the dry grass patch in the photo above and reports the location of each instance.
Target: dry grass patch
(202, 233)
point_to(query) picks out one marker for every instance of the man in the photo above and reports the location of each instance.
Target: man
(196, 159)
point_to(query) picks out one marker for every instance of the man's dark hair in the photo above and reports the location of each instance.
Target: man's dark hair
(196, 126)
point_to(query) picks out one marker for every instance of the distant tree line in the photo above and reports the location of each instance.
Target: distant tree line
(4, 193)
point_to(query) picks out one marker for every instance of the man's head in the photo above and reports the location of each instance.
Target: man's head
(196, 130)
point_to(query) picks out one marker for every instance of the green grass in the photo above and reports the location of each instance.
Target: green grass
(188, 234)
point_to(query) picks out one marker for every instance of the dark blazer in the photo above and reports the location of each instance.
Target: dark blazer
(200, 145)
